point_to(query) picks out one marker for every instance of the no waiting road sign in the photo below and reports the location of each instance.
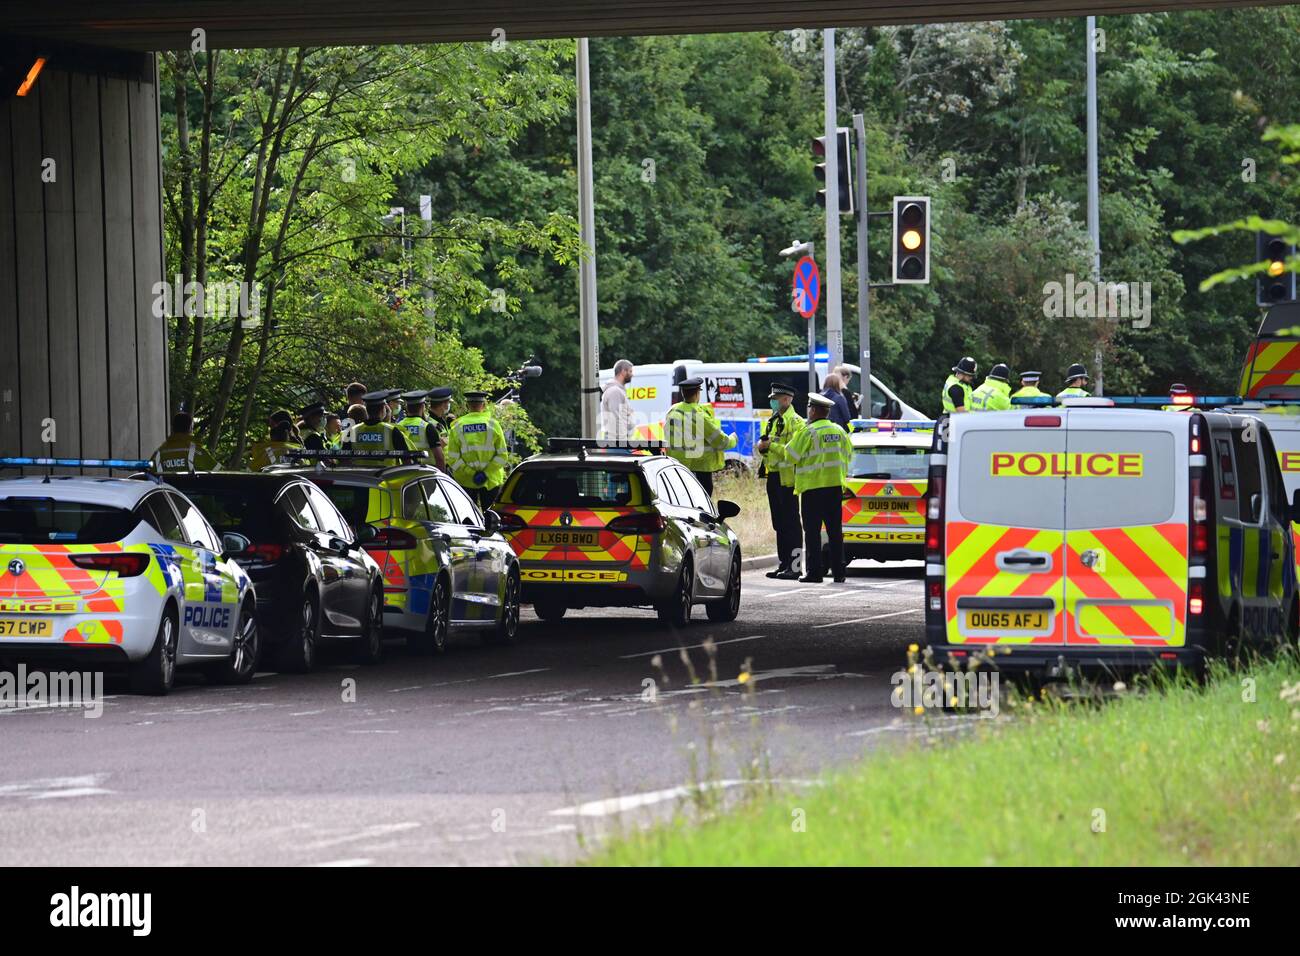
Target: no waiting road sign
(806, 289)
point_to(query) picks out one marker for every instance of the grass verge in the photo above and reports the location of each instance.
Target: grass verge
(754, 523)
(1188, 775)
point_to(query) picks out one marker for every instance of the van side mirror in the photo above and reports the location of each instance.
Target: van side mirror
(1255, 501)
(491, 522)
(1295, 506)
(727, 509)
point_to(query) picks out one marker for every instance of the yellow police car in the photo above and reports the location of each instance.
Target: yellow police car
(614, 527)
(445, 563)
(1101, 537)
(884, 510)
(123, 572)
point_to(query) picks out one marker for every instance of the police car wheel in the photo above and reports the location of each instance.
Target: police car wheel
(299, 653)
(507, 627)
(728, 607)
(549, 611)
(676, 610)
(370, 649)
(433, 639)
(246, 648)
(157, 672)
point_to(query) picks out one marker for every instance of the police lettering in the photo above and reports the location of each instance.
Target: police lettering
(475, 427)
(374, 438)
(1290, 460)
(1065, 465)
(213, 616)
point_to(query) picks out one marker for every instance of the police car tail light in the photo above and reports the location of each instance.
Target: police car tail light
(264, 552)
(123, 565)
(1196, 598)
(511, 521)
(391, 539)
(1042, 421)
(643, 522)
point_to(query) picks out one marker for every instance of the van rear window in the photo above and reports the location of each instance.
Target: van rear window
(47, 521)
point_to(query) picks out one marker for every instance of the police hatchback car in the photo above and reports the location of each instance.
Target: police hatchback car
(1095, 537)
(121, 570)
(884, 512)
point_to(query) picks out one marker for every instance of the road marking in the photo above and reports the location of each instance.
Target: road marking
(874, 617)
(471, 680)
(690, 647)
(51, 788)
(779, 592)
(366, 833)
(360, 861)
(633, 801)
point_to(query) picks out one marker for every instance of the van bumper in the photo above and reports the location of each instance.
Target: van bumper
(1057, 661)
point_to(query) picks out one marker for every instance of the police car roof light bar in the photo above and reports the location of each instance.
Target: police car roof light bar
(368, 454)
(889, 425)
(1144, 401)
(131, 464)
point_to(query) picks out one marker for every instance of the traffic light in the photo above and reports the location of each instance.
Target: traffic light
(1277, 285)
(911, 239)
(845, 170)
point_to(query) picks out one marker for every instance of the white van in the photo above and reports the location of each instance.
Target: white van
(738, 392)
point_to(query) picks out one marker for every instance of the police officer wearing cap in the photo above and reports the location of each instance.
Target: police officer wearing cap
(956, 390)
(180, 452)
(995, 394)
(1029, 386)
(820, 454)
(438, 406)
(393, 405)
(781, 428)
(693, 435)
(1076, 380)
(1175, 390)
(375, 434)
(313, 424)
(476, 451)
(420, 432)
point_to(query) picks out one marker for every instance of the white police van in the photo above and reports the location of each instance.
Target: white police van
(739, 392)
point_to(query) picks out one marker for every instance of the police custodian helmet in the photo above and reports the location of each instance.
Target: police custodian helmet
(1075, 371)
(967, 366)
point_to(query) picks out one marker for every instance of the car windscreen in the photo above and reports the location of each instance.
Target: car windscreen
(237, 509)
(38, 520)
(890, 463)
(575, 487)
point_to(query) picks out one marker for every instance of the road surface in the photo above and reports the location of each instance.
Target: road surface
(484, 755)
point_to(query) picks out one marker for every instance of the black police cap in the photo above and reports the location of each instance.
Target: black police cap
(476, 396)
(315, 408)
(779, 389)
(414, 398)
(440, 394)
(687, 384)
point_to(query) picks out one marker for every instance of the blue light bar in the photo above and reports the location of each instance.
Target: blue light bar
(134, 463)
(820, 356)
(1157, 401)
(889, 425)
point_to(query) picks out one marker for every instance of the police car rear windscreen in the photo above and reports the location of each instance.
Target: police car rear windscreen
(46, 521)
(577, 487)
(890, 464)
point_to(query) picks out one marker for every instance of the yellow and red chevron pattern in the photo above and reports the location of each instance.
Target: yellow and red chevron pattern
(51, 584)
(884, 511)
(972, 571)
(1270, 363)
(1138, 594)
(606, 547)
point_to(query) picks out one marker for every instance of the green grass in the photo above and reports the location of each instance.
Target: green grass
(1191, 775)
(754, 523)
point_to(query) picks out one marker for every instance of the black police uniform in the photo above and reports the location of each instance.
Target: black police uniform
(782, 503)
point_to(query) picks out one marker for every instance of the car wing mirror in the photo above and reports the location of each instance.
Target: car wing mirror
(367, 533)
(727, 509)
(1255, 500)
(233, 544)
(491, 522)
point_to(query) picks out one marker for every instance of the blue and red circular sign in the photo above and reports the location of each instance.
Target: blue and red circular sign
(807, 287)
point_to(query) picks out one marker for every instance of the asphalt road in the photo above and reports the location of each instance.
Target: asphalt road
(484, 755)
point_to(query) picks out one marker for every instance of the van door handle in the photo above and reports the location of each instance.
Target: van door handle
(1024, 561)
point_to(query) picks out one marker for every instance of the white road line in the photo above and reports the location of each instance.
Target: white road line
(47, 788)
(874, 617)
(366, 833)
(633, 801)
(780, 592)
(689, 647)
(471, 680)
(359, 861)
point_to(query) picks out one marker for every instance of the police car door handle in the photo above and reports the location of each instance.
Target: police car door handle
(1023, 561)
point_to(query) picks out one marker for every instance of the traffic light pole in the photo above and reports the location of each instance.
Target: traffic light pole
(834, 316)
(1094, 203)
(588, 336)
(864, 280)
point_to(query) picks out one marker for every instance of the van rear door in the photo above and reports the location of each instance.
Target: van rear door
(1004, 540)
(1126, 524)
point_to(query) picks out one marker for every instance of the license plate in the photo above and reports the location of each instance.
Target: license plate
(576, 538)
(892, 505)
(1006, 620)
(26, 627)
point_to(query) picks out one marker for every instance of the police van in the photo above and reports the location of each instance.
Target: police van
(1283, 421)
(738, 392)
(1097, 537)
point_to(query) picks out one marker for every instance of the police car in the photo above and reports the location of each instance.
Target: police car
(121, 570)
(444, 562)
(884, 511)
(1100, 537)
(615, 527)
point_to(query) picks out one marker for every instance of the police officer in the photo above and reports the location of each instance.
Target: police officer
(820, 454)
(333, 429)
(274, 450)
(313, 424)
(995, 394)
(420, 432)
(180, 453)
(476, 451)
(1076, 380)
(394, 405)
(375, 434)
(1175, 390)
(781, 428)
(956, 390)
(1029, 386)
(693, 435)
(439, 408)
